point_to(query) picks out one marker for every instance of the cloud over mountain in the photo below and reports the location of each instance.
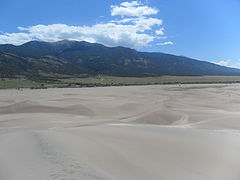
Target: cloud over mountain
(134, 28)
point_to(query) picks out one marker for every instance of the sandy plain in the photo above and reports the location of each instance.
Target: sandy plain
(162, 132)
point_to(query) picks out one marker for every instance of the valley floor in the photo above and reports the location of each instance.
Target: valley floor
(157, 132)
(60, 81)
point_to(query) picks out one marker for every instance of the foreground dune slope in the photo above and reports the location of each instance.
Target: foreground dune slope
(188, 132)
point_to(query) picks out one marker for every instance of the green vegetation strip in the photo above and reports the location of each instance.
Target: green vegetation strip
(58, 82)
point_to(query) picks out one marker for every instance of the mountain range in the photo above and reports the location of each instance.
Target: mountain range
(79, 57)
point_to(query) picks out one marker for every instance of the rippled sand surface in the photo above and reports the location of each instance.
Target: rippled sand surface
(187, 132)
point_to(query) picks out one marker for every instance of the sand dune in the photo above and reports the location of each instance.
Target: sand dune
(32, 107)
(189, 132)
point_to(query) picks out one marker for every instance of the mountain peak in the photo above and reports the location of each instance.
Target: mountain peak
(65, 41)
(34, 42)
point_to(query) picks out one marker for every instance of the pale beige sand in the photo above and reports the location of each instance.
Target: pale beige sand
(188, 132)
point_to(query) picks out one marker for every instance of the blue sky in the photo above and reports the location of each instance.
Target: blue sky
(203, 29)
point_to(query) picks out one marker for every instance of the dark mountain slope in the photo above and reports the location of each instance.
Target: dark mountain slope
(12, 65)
(74, 58)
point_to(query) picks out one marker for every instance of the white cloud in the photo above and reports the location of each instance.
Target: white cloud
(142, 23)
(161, 37)
(237, 64)
(160, 31)
(131, 4)
(165, 43)
(134, 32)
(133, 8)
(223, 62)
(109, 34)
(15, 38)
(228, 63)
